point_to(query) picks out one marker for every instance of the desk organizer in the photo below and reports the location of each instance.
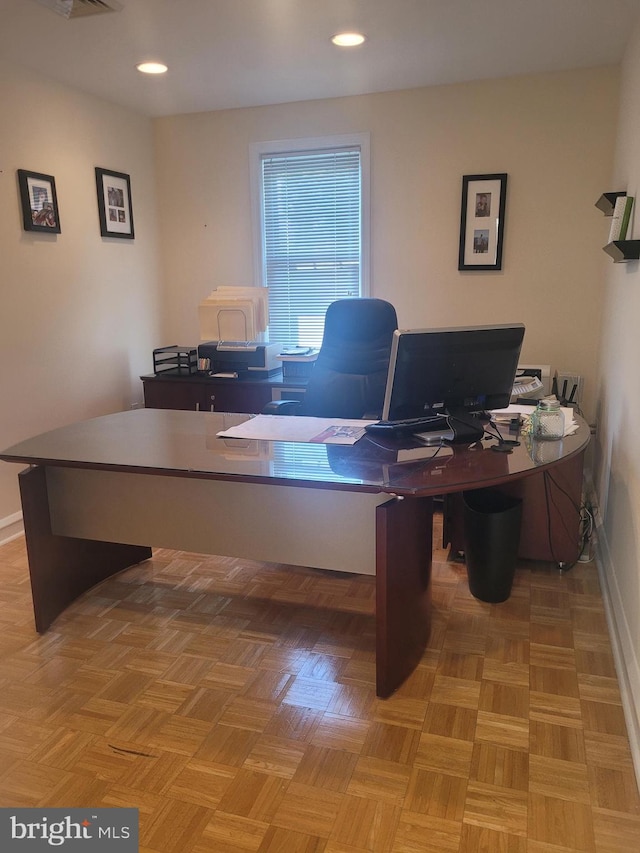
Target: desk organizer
(298, 366)
(181, 359)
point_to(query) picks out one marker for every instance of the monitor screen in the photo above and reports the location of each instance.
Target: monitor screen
(456, 370)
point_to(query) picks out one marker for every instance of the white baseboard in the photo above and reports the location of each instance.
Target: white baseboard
(11, 527)
(624, 653)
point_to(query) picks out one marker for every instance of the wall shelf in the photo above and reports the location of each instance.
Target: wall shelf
(623, 250)
(607, 202)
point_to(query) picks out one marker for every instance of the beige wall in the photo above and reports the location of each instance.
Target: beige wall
(618, 457)
(78, 312)
(553, 134)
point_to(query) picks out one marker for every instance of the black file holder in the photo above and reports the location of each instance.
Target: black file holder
(181, 359)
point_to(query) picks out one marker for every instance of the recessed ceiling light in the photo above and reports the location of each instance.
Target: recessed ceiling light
(348, 39)
(152, 67)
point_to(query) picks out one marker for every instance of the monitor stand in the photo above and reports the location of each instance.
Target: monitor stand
(467, 428)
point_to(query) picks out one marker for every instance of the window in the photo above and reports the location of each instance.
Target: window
(312, 227)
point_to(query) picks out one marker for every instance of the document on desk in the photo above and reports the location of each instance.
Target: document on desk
(294, 428)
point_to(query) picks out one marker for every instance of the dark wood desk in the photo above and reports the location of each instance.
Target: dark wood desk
(99, 493)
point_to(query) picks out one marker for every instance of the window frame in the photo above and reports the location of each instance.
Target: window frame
(258, 150)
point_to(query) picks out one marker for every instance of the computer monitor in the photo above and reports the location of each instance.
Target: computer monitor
(458, 371)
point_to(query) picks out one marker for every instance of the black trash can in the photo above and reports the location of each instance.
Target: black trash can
(491, 538)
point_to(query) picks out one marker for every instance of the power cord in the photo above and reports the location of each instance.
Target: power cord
(504, 444)
(583, 511)
(588, 526)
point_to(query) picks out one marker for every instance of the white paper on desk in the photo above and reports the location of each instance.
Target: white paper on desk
(570, 423)
(294, 428)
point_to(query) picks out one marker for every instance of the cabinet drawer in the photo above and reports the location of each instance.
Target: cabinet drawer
(230, 396)
(174, 395)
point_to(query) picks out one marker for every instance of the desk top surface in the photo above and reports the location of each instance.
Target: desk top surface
(185, 444)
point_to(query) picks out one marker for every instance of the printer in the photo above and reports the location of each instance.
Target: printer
(239, 357)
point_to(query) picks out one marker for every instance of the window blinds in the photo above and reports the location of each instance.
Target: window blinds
(311, 204)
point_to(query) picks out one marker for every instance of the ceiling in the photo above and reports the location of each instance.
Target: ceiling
(238, 53)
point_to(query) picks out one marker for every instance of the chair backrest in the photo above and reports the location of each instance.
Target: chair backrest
(349, 377)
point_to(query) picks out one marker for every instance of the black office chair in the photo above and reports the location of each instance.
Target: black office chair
(349, 376)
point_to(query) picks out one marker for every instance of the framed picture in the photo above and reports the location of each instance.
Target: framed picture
(114, 204)
(482, 221)
(39, 202)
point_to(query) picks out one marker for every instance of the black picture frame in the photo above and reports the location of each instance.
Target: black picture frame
(482, 216)
(115, 207)
(39, 202)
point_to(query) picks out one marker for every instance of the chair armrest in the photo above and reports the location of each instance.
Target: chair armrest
(282, 407)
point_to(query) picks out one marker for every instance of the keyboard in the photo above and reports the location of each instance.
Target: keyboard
(408, 426)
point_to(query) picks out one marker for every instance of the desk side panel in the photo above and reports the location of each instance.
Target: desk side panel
(62, 568)
(403, 589)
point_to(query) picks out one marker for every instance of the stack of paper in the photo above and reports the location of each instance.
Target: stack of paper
(287, 428)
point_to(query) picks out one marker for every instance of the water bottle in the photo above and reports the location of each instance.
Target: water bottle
(547, 421)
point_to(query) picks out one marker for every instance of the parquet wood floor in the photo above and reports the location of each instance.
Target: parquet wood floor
(233, 704)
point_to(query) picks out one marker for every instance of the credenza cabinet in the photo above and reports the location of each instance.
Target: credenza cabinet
(201, 392)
